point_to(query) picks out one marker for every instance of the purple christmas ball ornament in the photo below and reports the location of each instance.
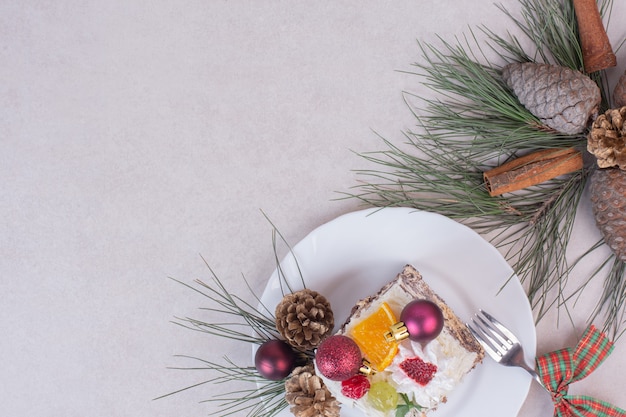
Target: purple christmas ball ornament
(423, 320)
(275, 360)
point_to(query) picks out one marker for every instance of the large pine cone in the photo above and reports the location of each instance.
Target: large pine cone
(304, 318)
(608, 201)
(563, 99)
(307, 395)
(607, 139)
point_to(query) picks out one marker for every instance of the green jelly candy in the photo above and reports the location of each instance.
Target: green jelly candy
(382, 396)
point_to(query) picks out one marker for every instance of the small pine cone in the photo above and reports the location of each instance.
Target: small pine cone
(307, 395)
(607, 139)
(608, 202)
(563, 99)
(304, 318)
(619, 92)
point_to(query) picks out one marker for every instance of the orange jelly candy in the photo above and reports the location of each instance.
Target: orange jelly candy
(369, 335)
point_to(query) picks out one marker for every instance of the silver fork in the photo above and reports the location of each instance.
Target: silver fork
(500, 343)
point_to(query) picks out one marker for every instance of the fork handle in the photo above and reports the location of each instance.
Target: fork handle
(532, 373)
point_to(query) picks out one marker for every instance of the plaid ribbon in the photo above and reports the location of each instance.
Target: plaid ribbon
(561, 368)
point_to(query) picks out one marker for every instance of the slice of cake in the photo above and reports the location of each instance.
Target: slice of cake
(409, 376)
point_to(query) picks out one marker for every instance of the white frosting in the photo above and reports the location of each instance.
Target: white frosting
(444, 352)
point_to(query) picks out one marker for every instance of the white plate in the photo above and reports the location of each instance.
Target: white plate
(354, 255)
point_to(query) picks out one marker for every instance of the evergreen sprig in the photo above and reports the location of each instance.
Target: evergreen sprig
(476, 123)
(242, 322)
(245, 316)
(264, 398)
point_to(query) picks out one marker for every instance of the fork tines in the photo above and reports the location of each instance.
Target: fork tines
(496, 339)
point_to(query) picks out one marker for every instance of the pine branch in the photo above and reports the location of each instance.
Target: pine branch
(264, 399)
(476, 123)
(243, 322)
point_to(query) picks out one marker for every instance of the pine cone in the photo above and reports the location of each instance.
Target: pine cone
(304, 318)
(607, 138)
(563, 99)
(308, 396)
(608, 202)
(619, 92)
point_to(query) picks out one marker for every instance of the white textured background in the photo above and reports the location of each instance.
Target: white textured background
(136, 136)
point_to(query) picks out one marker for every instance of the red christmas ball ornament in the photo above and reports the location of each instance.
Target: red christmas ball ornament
(338, 358)
(423, 320)
(275, 360)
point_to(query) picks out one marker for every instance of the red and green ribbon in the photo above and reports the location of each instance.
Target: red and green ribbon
(560, 368)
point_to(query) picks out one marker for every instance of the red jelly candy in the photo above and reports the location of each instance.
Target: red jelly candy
(355, 387)
(418, 370)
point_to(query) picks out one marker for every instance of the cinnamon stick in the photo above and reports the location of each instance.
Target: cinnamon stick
(596, 47)
(532, 169)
